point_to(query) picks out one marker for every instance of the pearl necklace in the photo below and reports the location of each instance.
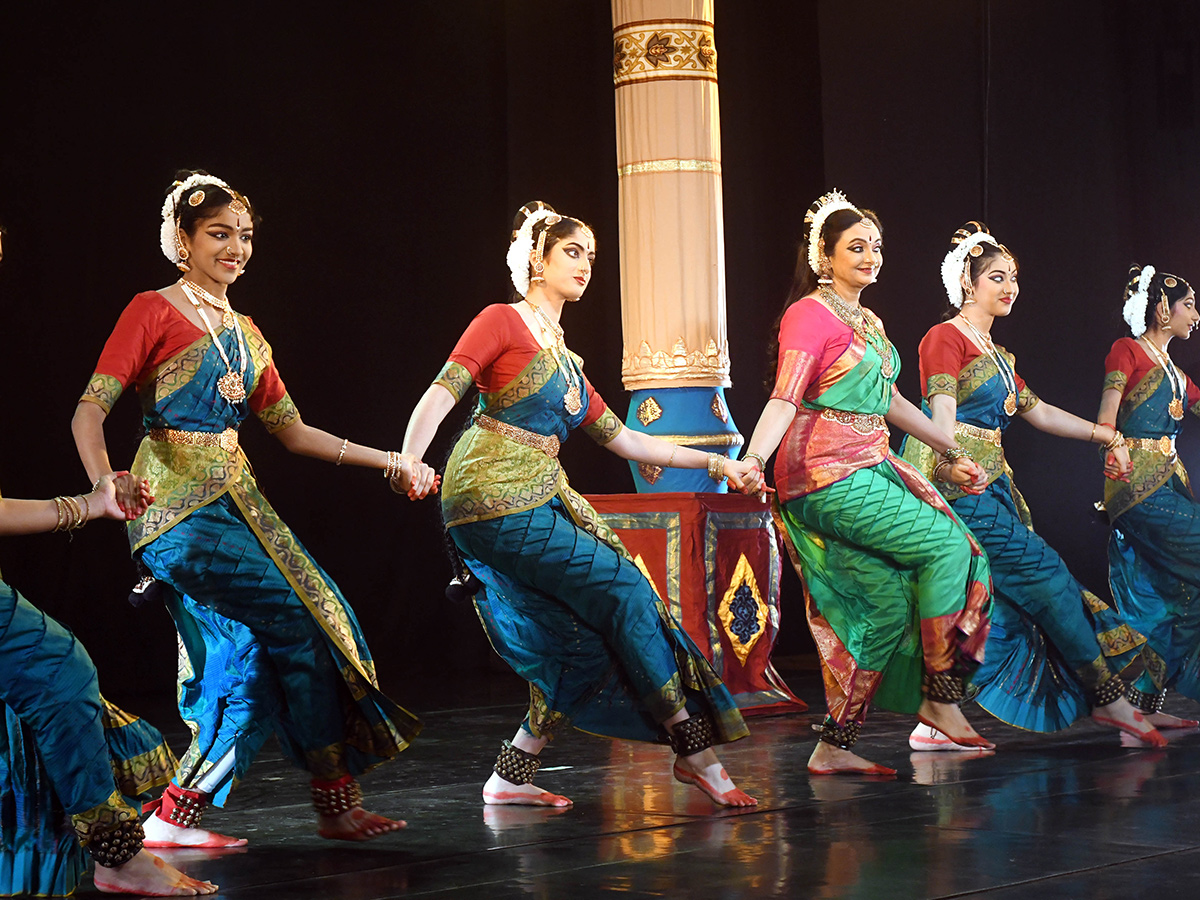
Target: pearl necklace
(231, 385)
(1006, 374)
(1174, 376)
(572, 399)
(218, 303)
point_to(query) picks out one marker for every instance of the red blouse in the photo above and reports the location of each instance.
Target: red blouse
(496, 348)
(151, 331)
(1128, 362)
(945, 350)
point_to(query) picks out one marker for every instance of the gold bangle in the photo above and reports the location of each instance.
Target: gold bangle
(762, 463)
(1118, 440)
(342, 452)
(87, 510)
(671, 459)
(716, 466)
(1092, 436)
(59, 508)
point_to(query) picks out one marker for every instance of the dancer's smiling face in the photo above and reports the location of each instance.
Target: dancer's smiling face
(857, 256)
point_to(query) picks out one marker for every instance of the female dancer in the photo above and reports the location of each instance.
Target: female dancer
(897, 591)
(61, 743)
(1155, 519)
(266, 638)
(1055, 650)
(561, 600)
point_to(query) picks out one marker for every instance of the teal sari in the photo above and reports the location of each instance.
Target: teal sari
(1152, 552)
(563, 603)
(69, 760)
(1053, 642)
(267, 641)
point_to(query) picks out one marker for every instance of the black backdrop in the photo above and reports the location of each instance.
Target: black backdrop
(387, 146)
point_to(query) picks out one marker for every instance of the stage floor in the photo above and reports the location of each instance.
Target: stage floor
(1062, 816)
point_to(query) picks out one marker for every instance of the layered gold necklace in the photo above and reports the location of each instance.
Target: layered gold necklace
(1007, 376)
(231, 385)
(1174, 376)
(861, 325)
(572, 399)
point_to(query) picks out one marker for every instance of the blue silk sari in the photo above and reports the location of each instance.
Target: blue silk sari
(1152, 551)
(1052, 640)
(61, 744)
(563, 603)
(267, 641)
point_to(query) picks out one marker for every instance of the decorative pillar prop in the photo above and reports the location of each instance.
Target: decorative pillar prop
(676, 350)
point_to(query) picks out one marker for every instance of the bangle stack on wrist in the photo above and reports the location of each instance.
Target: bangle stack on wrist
(393, 465)
(71, 515)
(716, 466)
(762, 463)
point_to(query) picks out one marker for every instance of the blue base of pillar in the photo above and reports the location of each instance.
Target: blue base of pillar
(694, 417)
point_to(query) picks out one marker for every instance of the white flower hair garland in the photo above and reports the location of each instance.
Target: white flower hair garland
(169, 232)
(952, 265)
(827, 205)
(522, 246)
(1134, 312)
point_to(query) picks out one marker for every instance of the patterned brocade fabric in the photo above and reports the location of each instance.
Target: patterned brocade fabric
(103, 390)
(489, 475)
(1027, 400)
(455, 378)
(942, 383)
(604, 429)
(185, 478)
(102, 818)
(279, 415)
(1116, 381)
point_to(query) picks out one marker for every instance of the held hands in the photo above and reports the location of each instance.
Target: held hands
(415, 479)
(966, 474)
(1117, 464)
(122, 496)
(744, 475)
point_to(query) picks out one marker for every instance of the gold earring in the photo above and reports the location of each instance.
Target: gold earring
(825, 275)
(183, 254)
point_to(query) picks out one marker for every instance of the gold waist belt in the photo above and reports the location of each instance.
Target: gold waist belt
(991, 435)
(862, 423)
(547, 443)
(1164, 445)
(227, 440)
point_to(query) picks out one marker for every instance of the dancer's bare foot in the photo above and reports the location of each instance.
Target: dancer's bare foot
(1121, 714)
(950, 721)
(1166, 720)
(498, 792)
(356, 824)
(148, 876)
(162, 835)
(827, 759)
(705, 771)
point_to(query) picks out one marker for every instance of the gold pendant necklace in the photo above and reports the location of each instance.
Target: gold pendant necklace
(862, 326)
(572, 399)
(1010, 382)
(1175, 407)
(231, 385)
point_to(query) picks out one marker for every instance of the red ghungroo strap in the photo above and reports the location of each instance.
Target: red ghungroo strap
(332, 798)
(179, 806)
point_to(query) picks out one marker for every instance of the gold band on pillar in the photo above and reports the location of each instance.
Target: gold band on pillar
(669, 158)
(663, 50)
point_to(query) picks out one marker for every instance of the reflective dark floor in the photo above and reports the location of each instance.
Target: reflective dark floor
(1072, 815)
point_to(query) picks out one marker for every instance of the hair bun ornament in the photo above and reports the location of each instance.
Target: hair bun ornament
(954, 265)
(522, 245)
(825, 206)
(169, 231)
(1134, 311)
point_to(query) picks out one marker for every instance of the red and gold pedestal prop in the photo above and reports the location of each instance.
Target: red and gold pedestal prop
(715, 560)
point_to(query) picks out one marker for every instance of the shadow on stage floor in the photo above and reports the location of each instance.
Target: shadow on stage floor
(1062, 816)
